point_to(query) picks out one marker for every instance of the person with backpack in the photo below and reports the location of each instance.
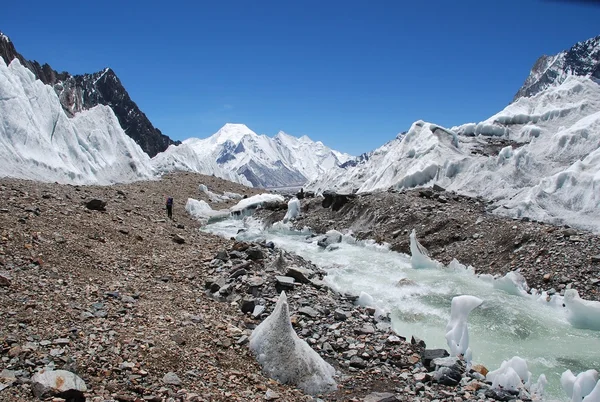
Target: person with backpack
(170, 207)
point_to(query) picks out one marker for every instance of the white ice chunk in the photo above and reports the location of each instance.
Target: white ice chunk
(582, 313)
(365, 300)
(233, 196)
(201, 210)
(213, 197)
(512, 283)
(580, 386)
(287, 358)
(512, 374)
(537, 389)
(254, 202)
(419, 255)
(457, 332)
(293, 210)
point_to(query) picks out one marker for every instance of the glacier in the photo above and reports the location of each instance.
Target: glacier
(550, 171)
(39, 142)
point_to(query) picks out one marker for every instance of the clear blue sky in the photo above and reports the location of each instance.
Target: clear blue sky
(352, 74)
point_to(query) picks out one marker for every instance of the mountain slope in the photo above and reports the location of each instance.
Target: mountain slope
(582, 59)
(39, 141)
(83, 92)
(239, 154)
(539, 157)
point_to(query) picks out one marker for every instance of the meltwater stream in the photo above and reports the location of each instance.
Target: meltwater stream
(503, 327)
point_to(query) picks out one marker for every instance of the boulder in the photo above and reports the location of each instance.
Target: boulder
(336, 201)
(255, 253)
(248, 305)
(178, 239)
(429, 355)
(381, 397)
(58, 383)
(96, 205)
(300, 274)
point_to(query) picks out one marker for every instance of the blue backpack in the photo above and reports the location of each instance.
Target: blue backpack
(170, 201)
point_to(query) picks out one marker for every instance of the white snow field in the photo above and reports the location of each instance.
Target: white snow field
(510, 321)
(39, 142)
(552, 173)
(238, 154)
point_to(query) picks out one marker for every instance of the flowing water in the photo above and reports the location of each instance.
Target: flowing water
(503, 327)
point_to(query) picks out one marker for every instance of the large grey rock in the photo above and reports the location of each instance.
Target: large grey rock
(171, 379)
(284, 283)
(300, 274)
(429, 355)
(4, 279)
(59, 383)
(96, 205)
(381, 397)
(255, 253)
(308, 311)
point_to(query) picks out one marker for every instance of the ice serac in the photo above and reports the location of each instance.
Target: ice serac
(579, 387)
(419, 256)
(293, 210)
(39, 141)
(83, 92)
(237, 153)
(582, 313)
(287, 358)
(457, 331)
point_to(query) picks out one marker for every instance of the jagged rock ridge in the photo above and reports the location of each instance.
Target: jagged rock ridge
(82, 92)
(582, 59)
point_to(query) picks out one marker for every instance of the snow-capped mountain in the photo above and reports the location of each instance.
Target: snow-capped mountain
(582, 59)
(539, 157)
(83, 92)
(239, 154)
(39, 141)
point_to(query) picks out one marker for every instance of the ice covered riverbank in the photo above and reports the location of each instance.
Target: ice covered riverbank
(419, 302)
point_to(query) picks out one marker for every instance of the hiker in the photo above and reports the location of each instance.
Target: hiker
(170, 207)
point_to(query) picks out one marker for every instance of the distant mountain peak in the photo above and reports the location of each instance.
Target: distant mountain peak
(4, 38)
(581, 59)
(233, 132)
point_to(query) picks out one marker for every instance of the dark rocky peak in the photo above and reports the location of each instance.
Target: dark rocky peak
(582, 59)
(82, 92)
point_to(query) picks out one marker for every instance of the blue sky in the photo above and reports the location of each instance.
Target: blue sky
(352, 74)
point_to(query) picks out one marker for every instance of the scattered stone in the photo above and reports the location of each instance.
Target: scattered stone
(358, 362)
(308, 311)
(300, 274)
(271, 395)
(171, 379)
(255, 254)
(177, 238)
(5, 279)
(341, 315)
(381, 397)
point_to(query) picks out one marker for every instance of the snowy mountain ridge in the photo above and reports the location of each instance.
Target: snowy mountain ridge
(82, 92)
(237, 153)
(582, 59)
